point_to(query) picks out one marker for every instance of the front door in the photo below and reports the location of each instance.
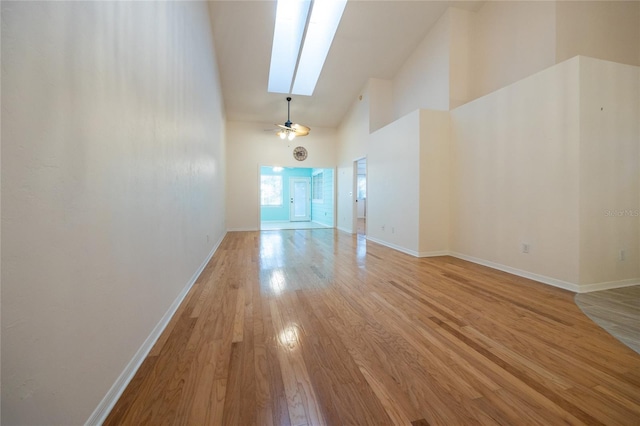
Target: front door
(300, 194)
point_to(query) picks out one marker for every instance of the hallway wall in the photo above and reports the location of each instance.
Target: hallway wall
(113, 181)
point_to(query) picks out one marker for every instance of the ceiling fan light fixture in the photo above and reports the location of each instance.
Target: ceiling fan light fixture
(291, 130)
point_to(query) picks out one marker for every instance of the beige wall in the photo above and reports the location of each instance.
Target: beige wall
(515, 176)
(435, 169)
(250, 145)
(609, 171)
(600, 29)
(393, 179)
(423, 80)
(351, 145)
(528, 163)
(510, 40)
(112, 191)
(460, 71)
(380, 94)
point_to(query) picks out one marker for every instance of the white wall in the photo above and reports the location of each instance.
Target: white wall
(393, 184)
(113, 190)
(352, 135)
(515, 175)
(435, 174)
(408, 171)
(609, 171)
(251, 145)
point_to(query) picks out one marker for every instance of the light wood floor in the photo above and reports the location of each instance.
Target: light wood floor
(320, 327)
(617, 311)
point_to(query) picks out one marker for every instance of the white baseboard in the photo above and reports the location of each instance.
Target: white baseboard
(574, 287)
(519, 272)
(393, 246)
(434, 253)
(241, 229)
(105, 406)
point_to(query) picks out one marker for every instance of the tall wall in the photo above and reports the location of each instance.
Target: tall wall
(393, 193)
(515, 177)
(352, 135)
(251, 145)
(113, 180)
(435, 172)
(609, 172)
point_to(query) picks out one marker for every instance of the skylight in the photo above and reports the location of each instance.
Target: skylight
(325, 17)
(291, 17)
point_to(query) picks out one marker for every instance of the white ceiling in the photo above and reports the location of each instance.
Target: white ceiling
(373, 40)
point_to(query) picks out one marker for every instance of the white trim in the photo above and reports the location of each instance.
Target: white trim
(587, 288)
(519, 272)
(576, 288)
(241, 229)
(105, 406)
(434, 253)
(348, 231)
(393, 246)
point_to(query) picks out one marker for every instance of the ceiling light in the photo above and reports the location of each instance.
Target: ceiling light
(325, 17)
(291, 130)
(291, 18)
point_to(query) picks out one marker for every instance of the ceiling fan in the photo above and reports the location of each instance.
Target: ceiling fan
(291, 130)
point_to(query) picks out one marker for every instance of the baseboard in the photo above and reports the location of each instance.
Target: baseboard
(588, 288)
(241, 229)
(519, 272)
(348, 231)
(393, 246)
(433, 253)
(105, 406)
(317, 222)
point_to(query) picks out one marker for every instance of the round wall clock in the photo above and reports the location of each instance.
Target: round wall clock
(300, 153)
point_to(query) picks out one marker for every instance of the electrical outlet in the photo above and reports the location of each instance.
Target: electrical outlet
(622, 256)
(393, 230)
(525, 248)
(207, 237)
(382, 227)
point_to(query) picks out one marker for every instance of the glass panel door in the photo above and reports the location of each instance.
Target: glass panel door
(300, 200)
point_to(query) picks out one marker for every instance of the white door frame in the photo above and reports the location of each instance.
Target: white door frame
(354, 197)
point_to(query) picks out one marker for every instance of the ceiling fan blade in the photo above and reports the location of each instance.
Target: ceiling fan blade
(300, 128)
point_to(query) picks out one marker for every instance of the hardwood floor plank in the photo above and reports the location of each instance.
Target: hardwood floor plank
(318, 327)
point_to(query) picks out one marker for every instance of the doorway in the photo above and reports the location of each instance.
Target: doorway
(360, 191)
(296, 198)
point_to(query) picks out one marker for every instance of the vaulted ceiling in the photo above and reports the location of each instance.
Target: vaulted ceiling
(373, 40)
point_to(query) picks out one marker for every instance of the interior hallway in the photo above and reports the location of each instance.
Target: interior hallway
(322, 327)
